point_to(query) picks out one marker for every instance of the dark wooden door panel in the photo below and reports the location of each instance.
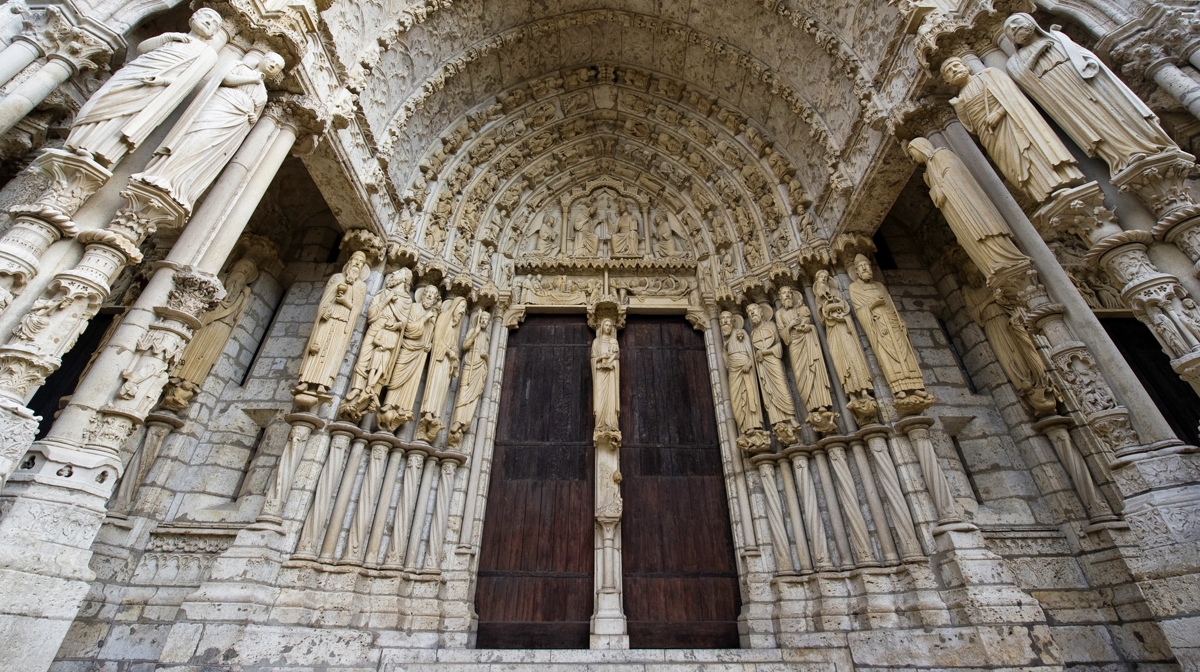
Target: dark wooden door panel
(536, 557)
(680, 578)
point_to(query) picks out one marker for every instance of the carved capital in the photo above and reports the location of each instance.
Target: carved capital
(71, 180)
(1159, 181)
(21, 372)
(59, 37)
(917, 118)
(1078, 211)
(194, 294)
(147, 208)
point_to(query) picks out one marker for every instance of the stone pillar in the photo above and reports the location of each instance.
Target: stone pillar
(69, 49)
(1152, 469)
(58, 497)
(608, 630)
(18, 55)
(1078, 346)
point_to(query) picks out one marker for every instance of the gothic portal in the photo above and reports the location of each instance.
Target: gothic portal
(607, 334)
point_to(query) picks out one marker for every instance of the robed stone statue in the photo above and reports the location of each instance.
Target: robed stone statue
(1082, 95)
(144, 92)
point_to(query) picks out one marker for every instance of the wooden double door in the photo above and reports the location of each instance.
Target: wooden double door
(535, 587)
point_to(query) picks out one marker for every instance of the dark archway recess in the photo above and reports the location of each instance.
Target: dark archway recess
(680, 576)
(536, 557)
(1175, 398)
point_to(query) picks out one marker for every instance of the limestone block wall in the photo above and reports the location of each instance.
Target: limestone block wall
(1010, 481)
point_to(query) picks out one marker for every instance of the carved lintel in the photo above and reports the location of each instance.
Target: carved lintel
(532, 265)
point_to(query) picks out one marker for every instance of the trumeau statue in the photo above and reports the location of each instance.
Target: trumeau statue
(743, 379)
(1079, 92)
(1014, 348)
(444, 356)
(144, 92)
(978, 226)
(1018, 139)
(194, 154)
(409, 361)
(586, 244)
(474, 376)
(606, 378)
(768, 356)
(889, 338)
(336, 315)
(209, 342)
(845, 349)
(797, 332)
(386, 318)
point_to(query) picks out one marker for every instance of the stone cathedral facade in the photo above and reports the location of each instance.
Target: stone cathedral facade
(410, 335)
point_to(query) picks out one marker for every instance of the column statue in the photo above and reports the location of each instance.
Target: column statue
(768, 356)
(409, 362)
(1018, 139)
(978, 226)
(797, 332)
(743, 383)
(209, 342)
(336, 315)
(443, 367)
(889, 338)
(606, 378)
(144, 92)
(586, 242)
(474, 376)
(194, 153)
(1082, 95)
(845, 349)
(386, 318)
(1014, 348)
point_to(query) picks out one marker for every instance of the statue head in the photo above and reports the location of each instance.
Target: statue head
(459, 309)
(485, 318)
(1020, 28)
(726, 321)
(205, 22)
(430, 299)
(241, 274)
(606, 326)
(862, 268)
(786, 299)
(355, 266)
(920, 149)
(754, 313)
(955, 71)
(271, 64)
(400, 277)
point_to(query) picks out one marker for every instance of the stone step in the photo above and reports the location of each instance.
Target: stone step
(634, 660)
